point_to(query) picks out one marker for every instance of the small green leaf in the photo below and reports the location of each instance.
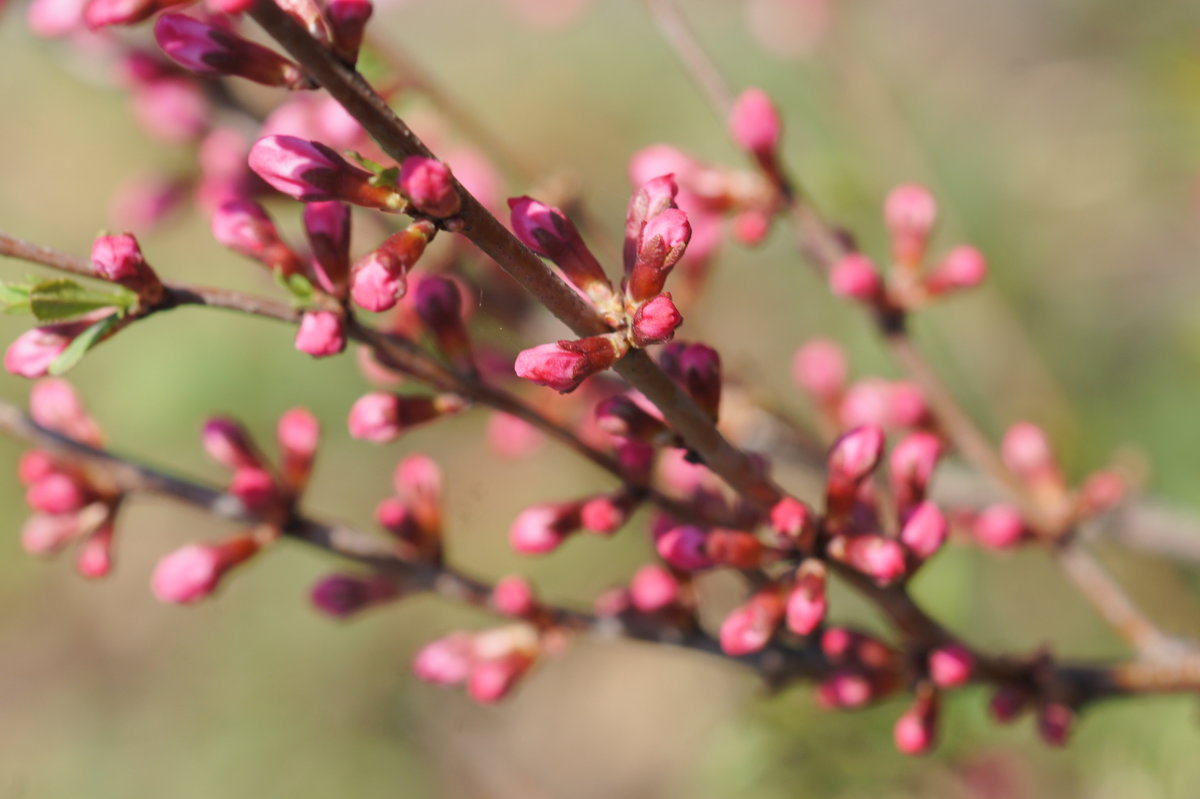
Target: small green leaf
(386, 178)
(298, 286)
(14, 298)
(60, 299)
(81, 344)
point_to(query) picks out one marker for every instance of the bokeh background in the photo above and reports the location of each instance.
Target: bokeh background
(1060, 137)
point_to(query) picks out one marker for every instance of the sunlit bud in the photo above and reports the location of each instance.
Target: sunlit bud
(1026, 451)
(327, 225)
(909, 213)
(229, 444)
(845, 689)
(254, 487)
(618, 415)
(209, 50)
(951, 665)
(438, 302)
(542, 528)
(119, 259)
(650, 199)
(377, 280)
(819, 369)
(735, 548)
(95, 557)
(310, 171)
(101, 13)
(298, 433)
(47, 533)
(321, 333)
(999, 527)
(1008, 702)
(347, 21)
(381, 417)
(962, 268)
(881, 559)
(792, 519)
(806, 602)
(32, 352)
(53, 403)
(924, 530)
(911, 466)
(57, 493)
(511, 437)
(563, 365)
(684, 548)
(663, 241)
(754, 124)
(245, 227)
(446, 661)
(697, 367)
(854, 277)
(916, 729)
(513, 596)
(749, 628)
(344, 595)
(428, 184)
(655, 321)
(194, 572)
(1054, 723)
(550, 233)
(653, 588)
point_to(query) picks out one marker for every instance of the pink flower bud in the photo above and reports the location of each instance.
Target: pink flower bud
(95, 559)
(32, 353)
(229, 444)
(511, 437)
(542, 528)
(563, 365)
(438, 303)
(298, 433)
(951, 665)
(327, 225)
(173, 109)
(347, 21)
(1026, 451)
(245, 227)
(754, 123)
(321, 334)
(45, 534)
(806, 602)
(653, 588)
(845, 689)
(909, 213)
(308, 171)
(53, 403)
(209, 50)
(999, 527)
(119, 259)
(446, 661)
(735, 548)
(881, 559)
(378, 280)
(618, 415)
(819, 369)
(344, 595)
(34, 465)
(549, 232)
(1054, 723)
(653, 196)
(144, 201)
(513, 596)
(855, 455)
(792, 519)
(663, 241)
(697, 367)
(962, 268)
(57, 493)
(751, 226)
(924, 530)
(606, 514)
(636, 459)
(381, 417)
(684, 548)
(53, 18)
(749, 628)
(493, 679)
(854, 277)
(193, 573)
(254, 487)
(102, 13)
(911, 467)
(916, 729)
(655, 321)
(429, 186)
(1101, 492)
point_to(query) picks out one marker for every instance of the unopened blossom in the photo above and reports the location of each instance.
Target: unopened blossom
(192, 573)
(321, 333)
(655, 321)
(662, 244)
(855, 277)
(755, 125)
(381, 417)
(550, 233)
(310, 171)
(962, 268)
(819, 369)
(750, 626)
(563, 365)
(210, 50)
(428, 185)
(245, 227)
(344, 595)
(378, 279)
(909, 213)
(653, 588)
(347, 20)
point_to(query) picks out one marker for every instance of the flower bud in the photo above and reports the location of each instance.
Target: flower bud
(563, 365)
(502, 657)
(228, 443)
(819, 369)
(684, 548)
(911, 467)
(327, 225)
(999, 527)
(255, 488)
(33, 352)
(655, 321)
(951, 665)
(298, 433)
(438, 302)
(792, 520)
(1008, 702)
(512, 437)
(542, 528)
(924, 530)
(119, 259)
(446, 661)
(662, 243)
(550, 233)
(173, 109)
(47, 533)
(344, 595)
(381, 417)
(513, 596)
(347, 22)
(650, 199)
(34, 465)
(53, 403)
(962, 268)
(881, 559)
(619, 415)
(735, 548)
(653, 588)
(378, 280)
(245, 227)
(209, 50)
(845, 689)
(1027, 452)
(428, 184)
(102, 13)
(754, 124)
(193, 573)
(909, 213)
(57, 493)
(606, 513)
(1054, 723)
(697, 367)
(916, 729)
(749, 627)
(309, 171)
(321, 334)
(806, 602)
(854, 277)
(851, 460)
(95, 559)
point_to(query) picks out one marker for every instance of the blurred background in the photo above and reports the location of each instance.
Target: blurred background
(1060, 136)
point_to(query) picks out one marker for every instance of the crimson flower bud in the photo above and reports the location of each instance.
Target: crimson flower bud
(684, 548)
(345, 595)
(321, 333)
(962, 268)
(1008, 702)
(119, 259)
(513, 596)
(245, 227)
(419, 480)
(697, 367)
(34, 465)
(909, 213)
(327, 225)
(755, 125)
(655, 321)
(549, 232)
(298, 433)
(951, 665)
(916, 729)
(999, 527)
(819, 369)
(347, 21)
(308, 170)
(806, 602)
(542, 528)
(57, 493)
(607, 513)
(854, 277)
(924, 530)
(194, 572)
(254, 487)
(881, 559)
(228, 443)
(845, 689)
(381, 417)
(653, 588)
(438, 302)
(428, 184)
(911, 466)
(1101, 491)
(378, 279)
(749, 627)
(208, 50)
(1054, 723)
(649, 200)
(792, 520)
(563, 365)
(662, 243)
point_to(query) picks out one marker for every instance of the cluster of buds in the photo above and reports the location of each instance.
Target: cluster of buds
(70, 503)
(910, 212)
(865, 669)
(413, 515)
(544, 527)
(489, 663)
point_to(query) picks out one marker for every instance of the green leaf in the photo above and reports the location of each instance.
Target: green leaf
(60, 299)
(81, 344)
(381, 177)
(298, 286)
(14, 298)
